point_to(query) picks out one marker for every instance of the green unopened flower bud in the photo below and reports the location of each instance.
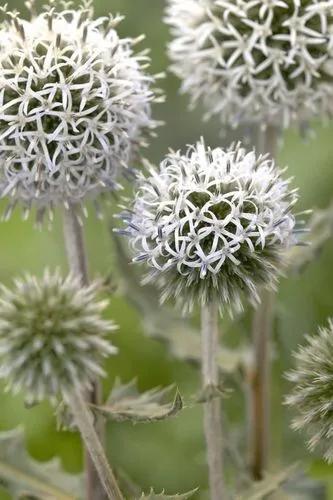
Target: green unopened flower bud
(311, 397)
(52, 336)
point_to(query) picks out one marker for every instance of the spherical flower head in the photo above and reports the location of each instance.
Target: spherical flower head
(255, 60)
(212, 224)
(52, 336)
(75, 106)
(311, 396)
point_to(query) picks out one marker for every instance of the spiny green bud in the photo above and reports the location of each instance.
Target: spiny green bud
(52, 335)
(311, 396)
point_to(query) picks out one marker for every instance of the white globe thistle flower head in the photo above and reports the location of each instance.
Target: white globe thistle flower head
(211, 224)
(53, 337)
(311, 396)
(75, 106)
(255, 60)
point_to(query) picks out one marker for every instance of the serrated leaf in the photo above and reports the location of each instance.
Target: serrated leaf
(164, 324)
(270, 484)
(163, 496)
(321, 231)
(22, 476)
(126, 403)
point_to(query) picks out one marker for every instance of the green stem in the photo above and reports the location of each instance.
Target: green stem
(78, 264)
(260, 385)
(212, 408)
(84, 421)
(259, 376)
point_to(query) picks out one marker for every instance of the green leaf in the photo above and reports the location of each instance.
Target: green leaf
(126, 403)
(321, 231)
(164, 324)
(270, 484)
(22, 476)
(163, 496)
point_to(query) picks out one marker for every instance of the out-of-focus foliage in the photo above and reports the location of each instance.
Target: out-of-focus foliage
(320, 229)
(170, 454)
(22, 476)
(270, 484)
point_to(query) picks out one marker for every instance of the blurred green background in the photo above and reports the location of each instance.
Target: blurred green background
(170, 454)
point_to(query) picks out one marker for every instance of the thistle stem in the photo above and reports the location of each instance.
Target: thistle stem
(259, 433)
(259, 376)
(75, 246)
(84, 421)
(78, 264)
(212, 407)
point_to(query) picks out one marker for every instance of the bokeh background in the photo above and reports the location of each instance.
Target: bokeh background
(170, 455)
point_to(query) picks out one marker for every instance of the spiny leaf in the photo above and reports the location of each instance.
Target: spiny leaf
(270, 484)
(126, 403)
(321, 231)
(22, 476)
(163, 496)
(164, 324)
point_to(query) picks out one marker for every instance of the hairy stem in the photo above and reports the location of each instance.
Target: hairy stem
(75, 246)
(259, 376)
(212, 408)
(84, 421)
(78, 264)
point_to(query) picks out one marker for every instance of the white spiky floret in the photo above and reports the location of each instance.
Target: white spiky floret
(75, 106)
(211, 224)
(311, 396)
(52, 335)
(255, 60)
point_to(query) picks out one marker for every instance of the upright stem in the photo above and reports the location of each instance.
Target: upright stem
(75, 246)
(84, 421)
(260, 385)
(212, 408)
(259, 376)
(78, 264)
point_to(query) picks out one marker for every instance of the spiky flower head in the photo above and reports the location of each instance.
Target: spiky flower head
(311, 396)
(210, 224)
(75, 106)
(255, 60)
(52, 335)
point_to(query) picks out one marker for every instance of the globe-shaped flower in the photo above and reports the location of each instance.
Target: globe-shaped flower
(75, 106)
(52, 336)
(211, 224)
(311, 396)
(255, 60)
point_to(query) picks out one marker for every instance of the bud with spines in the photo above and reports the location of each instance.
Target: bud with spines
(52, 336)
